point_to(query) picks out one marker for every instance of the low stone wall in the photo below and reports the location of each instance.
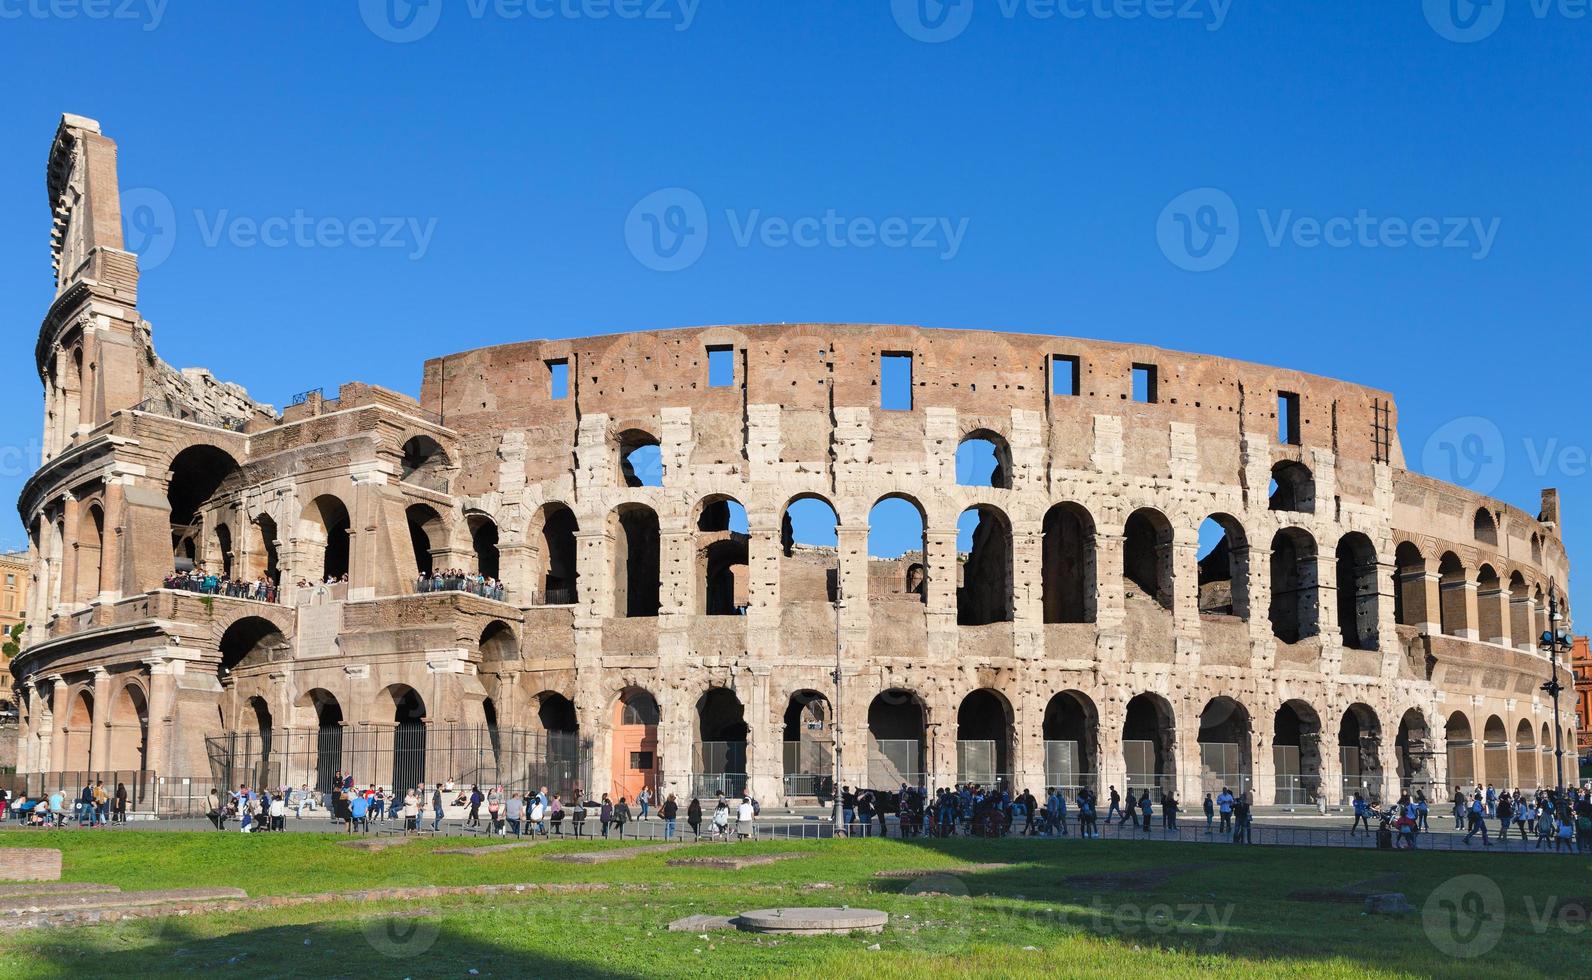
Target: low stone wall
(30, 864)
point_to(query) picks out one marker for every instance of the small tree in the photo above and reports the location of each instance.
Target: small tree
(13, 644)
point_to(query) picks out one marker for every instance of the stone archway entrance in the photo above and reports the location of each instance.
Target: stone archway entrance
(636, 764)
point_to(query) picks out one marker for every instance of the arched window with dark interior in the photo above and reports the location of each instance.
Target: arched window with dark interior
(1520, 613)
(1293, 487)
(1147, 556)
(984, 555)
(1223, 567)
(983, 459)
(484, 542)
(1486, 528)
(1491, 606)
(199, 474)
(722, 557)
(1294, 610)
(1357, 591)
(1067, 568)
(424, 463)
(635, 560)
(558, 561)
(1409, 586)
(427, 537)
(326, 524)
(1452, 581)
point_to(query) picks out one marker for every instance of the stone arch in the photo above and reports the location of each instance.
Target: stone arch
(558, 574)
(723, 563)
(1294, 596)
(890, 538)
(78, 731)
(1409, 586)
(1149, 744)
(1527, 777)
(1359, 751)
(1296, 752)
(1223, 571)
(325, 527)
(250, 642)
(809, 745)
(128, 738)
(1452, 583)
(635, 560)
(1071, 731)
(484, 543)
(424, 462)
(1293, 487)
(195, 476)
(1485, 528)
(408, 735)
(638, 458)
(984, 459)
(1495, 752)
(1416, 753)
(985, 593)
(1147, 555)
(1491, 605)
(1358, 591)
(498, 642)
(90, 554)
(634, 742)
(1460, 745)
(428, 538)
(985, 739)
(1226, 746)
(320, 711)
(1068, 569)
(809, 570)
(722, 744)
(897, 737)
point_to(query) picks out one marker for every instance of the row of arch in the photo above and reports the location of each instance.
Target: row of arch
(1513, 612)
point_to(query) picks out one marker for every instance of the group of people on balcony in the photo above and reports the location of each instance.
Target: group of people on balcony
(458, 580)
(208, 583)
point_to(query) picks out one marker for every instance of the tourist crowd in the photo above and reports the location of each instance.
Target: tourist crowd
(208, 583)
(457, 580)
(94, 805)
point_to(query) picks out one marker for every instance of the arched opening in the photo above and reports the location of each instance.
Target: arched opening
(1296, 753)
(896, 727)
(1067, 568)
(1147, 556)
(1357, 592)
(498, 642)
(1495, 753)
(1486, 529)
(261, 551)
(640, 459)
(129, 734)
(635, 560)
(1072, 743)
(484, 542)
(555, 715)
(257, 727)
(1461, 747)
(1359, 751)
(722, 560)
(1409, 586)
(809, 744)
(636, 764)
(984, 740)
(1294, 602)
(984, 556)
(326, 526)
(1546, 770)
(1292, 488)
(983, 460)
(251, 642)
(898, 539)
(224, 549)
(1451, 584)
(1149, 740)
(90, 554)
(197, 476)
(328, 738)
(424, 463)
(1540, 606)
(809, 566)
(1226, 760)
(1520, 613)
(559, 569)
(408, 737)
(1417, 755)
(78, 732)
(720, 763)
(1490, 609)
(1536, 549)
(428, 537)
(1223, 568)
(1527, 778)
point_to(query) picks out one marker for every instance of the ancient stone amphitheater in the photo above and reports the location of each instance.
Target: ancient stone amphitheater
(1055, 618)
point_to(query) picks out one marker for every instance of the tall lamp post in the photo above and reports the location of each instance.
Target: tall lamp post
(1553, 642)
(837, 818)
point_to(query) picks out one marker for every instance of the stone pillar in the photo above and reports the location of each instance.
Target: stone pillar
(594, 571)
(941, 566)
(1028, 589)
(58, 707)
(1472, 629)
(99, 744)
(111, 577)
(1028, 762)
(517, 563)
(1431, 585)
(765, 753)
(1110, 595)
(1331, 767)
(852, 542)
(69, 590)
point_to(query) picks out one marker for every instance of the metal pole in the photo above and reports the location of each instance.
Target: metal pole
(837, 816)
(1555, 688)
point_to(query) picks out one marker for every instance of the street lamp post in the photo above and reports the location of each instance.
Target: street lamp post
(837, 818)
(1553, 642)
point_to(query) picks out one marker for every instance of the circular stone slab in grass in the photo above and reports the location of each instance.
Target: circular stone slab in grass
(812, 921)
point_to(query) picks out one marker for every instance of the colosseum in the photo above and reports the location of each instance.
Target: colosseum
(655, 559)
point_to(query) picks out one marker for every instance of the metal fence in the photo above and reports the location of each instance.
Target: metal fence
(402, 755)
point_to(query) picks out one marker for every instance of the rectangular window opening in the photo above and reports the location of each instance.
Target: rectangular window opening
(1145, 384)
(1064, 379)
(721, 367)
(1288, 418)
(558, 380)
(895, 381)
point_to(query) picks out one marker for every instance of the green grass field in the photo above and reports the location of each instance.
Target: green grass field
(1216, 908)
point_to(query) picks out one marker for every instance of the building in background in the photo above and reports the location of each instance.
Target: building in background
(1581, 664)
(13, 599)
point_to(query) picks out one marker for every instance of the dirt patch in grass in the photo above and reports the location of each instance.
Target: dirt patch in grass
(1354, 893)
(1138, 880)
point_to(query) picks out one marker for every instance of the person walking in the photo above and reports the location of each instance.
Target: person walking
(436, 808)
(1116, 805)
(1478, 820)
(747, 814)
(669, 812)
(1210, 813)
(514, 812)
(605, 814)
(621, 816)
(644, 802)
(1362, 815)
(473, 819)
(693, 817)
(1146, 809)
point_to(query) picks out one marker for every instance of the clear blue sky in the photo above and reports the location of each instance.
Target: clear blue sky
(1043, 151)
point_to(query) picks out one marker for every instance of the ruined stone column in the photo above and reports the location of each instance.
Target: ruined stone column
(57, 746)
(99, 729)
